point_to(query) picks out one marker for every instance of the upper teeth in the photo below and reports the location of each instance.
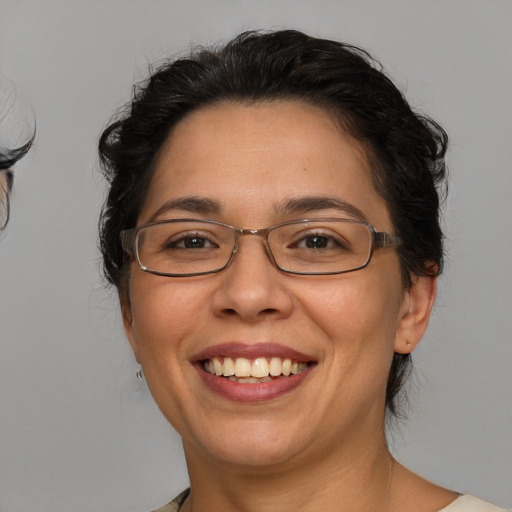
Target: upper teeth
(260, 367)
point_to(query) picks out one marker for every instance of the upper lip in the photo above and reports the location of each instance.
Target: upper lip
(251, 351)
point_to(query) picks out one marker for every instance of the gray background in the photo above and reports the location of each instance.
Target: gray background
(78, 431)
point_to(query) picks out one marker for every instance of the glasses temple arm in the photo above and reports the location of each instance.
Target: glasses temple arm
(127, 239)
(382, 240)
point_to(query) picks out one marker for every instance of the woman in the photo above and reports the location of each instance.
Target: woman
(272, 228)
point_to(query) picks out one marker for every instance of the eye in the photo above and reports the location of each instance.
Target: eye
(190, 241)
(318, 241)
(315, 242)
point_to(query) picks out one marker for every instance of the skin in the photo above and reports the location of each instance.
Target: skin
(3, 197)
(321, 446)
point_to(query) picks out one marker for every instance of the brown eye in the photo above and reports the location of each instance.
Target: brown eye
(316, 242)
(191, 242)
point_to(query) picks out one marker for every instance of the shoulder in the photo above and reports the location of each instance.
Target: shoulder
(175, 504)
(467, 503)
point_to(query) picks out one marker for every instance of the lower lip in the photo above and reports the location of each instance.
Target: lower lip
(261, 392)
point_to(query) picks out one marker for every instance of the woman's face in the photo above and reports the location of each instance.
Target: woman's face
(253, 166)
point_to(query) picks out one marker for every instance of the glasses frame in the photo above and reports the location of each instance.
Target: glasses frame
(378, 240)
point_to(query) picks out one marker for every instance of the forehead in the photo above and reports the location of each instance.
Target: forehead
(275, 128)
(252, 157)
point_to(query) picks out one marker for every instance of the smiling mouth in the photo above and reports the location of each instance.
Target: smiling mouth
(253, 371)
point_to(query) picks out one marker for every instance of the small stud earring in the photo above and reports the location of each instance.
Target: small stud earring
(139, 374)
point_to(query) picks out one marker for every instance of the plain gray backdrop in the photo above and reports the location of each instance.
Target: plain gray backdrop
(78, 431)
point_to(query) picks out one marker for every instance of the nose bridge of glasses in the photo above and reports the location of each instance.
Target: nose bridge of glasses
(261, 233)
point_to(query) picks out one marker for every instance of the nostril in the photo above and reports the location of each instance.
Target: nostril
(264, 312)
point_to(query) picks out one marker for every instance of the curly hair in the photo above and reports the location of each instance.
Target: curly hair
(406, 149)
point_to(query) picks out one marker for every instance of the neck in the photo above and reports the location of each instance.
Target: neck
(357, 480)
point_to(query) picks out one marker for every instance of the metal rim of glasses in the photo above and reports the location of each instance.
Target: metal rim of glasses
(378, 240)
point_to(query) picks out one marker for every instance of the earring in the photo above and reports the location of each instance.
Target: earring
(139, 374)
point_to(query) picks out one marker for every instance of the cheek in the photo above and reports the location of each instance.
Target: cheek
(164, 314)
(359, 324)
(358, 314)
(165, 318)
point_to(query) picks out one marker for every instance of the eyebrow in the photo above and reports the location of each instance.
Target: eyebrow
(192, 204)
(304, 205)
(295, 206)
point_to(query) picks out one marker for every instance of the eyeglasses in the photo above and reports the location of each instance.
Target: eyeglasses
(188, 247)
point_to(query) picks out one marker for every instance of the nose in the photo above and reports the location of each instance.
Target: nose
(252, 288)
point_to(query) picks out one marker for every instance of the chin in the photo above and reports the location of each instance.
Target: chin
(254, 455)
(252, 445)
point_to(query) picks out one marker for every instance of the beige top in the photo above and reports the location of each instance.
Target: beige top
(468, 503)
(463, 503)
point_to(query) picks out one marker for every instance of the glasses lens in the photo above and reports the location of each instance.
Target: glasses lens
(180, 248)
(321, 247)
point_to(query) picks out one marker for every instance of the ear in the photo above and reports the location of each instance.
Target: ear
(415, 313)
(128, 322)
